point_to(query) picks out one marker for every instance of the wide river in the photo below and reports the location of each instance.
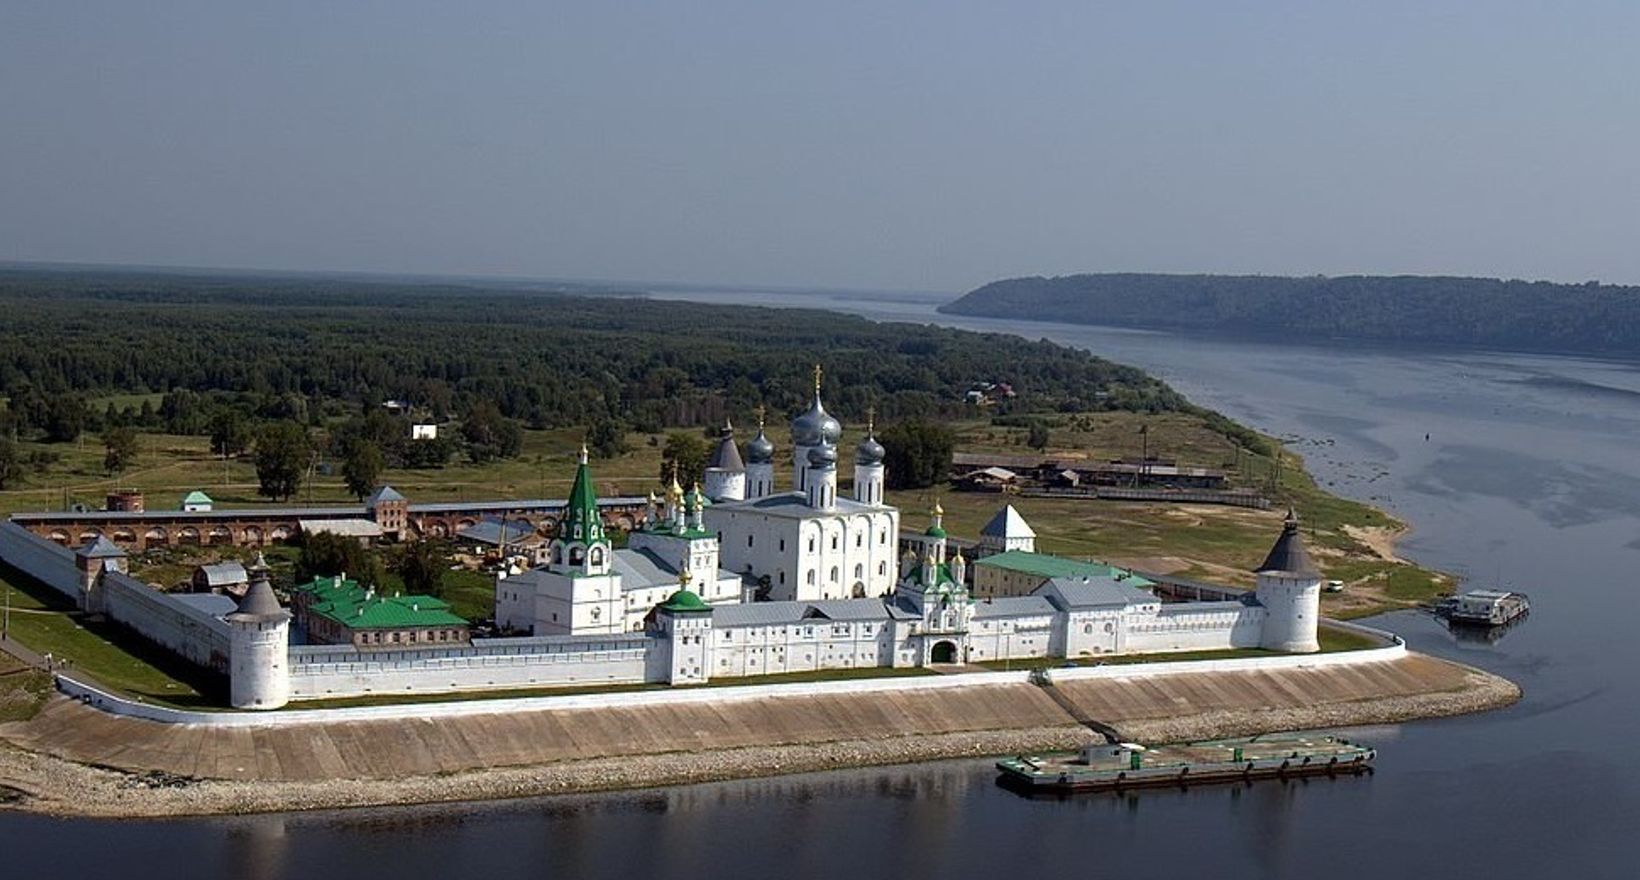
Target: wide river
(1529, 477)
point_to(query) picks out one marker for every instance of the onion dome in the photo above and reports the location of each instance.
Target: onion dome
(869, 452)
(823, 457)
(816, 426)
(760, 450)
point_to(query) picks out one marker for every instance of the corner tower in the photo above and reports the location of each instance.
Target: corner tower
(1289, 588)
(725, 472)
(258, 646)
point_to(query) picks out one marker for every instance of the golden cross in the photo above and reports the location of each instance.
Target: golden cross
(817, 373)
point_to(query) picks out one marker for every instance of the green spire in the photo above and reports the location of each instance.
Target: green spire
(582, 521)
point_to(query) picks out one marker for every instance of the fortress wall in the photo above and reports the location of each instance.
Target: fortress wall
(190, 633)
(40, 558)
(1197, 626)
(334, 671)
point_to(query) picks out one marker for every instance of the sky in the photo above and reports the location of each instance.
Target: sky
(872, 145)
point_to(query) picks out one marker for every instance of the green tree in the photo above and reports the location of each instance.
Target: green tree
(282, 454)
(11, 464)
(327, 555)
(606, 438)
(490, 435)
(919, 454)
(423, 566)
(684, 454)
(120, 445)
(361, 466)
(230, 433)
(65, 418)
(1037, 437)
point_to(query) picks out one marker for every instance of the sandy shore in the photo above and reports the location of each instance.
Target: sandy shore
(45, 784)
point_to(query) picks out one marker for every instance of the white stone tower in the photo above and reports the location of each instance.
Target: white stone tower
(868, 465)
(93, 560)
(725, 472)
(1289, 588)
(684, 623)
(759, 463)
(259, 647)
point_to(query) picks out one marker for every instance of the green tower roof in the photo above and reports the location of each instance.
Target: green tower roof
(685, 600)
(582, 522)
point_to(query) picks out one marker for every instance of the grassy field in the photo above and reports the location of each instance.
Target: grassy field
(47, 623)
(23, 690)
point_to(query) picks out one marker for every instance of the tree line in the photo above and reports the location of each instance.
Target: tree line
(1405, 309)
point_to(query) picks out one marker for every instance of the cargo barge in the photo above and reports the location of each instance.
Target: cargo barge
(1129, 765)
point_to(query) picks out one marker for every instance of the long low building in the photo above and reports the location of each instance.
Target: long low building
(262, 526)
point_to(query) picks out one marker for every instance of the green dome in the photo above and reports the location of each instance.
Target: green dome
(935, 532)
(685, 600)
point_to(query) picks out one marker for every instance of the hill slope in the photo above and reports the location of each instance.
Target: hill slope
(1488, 312)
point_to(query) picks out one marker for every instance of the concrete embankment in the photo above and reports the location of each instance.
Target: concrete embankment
(75, 759)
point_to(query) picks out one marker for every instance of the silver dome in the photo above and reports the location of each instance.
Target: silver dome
(816, 426)
(869, 451)
(823, 457)
(760, 449)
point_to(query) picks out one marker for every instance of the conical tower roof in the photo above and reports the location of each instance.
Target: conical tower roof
(1288, 556)
(260, 605)
(726, 457)
(582, 522)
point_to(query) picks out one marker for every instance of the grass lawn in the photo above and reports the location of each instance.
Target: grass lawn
(45, 622)
(22, 690)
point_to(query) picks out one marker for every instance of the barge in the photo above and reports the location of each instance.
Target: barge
(1107, 767)
(1485, 607)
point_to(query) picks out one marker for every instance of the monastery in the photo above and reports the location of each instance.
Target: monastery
(727, 580)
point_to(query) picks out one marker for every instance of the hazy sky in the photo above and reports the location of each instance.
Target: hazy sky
(928, 146)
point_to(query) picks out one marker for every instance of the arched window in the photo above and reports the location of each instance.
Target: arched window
(597, 556)
(576, 555)
(834, 574)
(809, 578)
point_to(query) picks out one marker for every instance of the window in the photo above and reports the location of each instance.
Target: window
(882, 568)
(834, 574)
(748, 540)
(809, 577)
(597, 556)
(859, 570)
(834, 542)
(811, 545)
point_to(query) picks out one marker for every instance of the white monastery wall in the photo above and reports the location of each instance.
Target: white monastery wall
(191, 633)
(331, 671)
(40, 558)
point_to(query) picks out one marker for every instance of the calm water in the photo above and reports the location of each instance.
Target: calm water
(1529, 478)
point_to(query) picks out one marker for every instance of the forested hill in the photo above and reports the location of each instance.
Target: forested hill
(284, 346)
(1484, 312)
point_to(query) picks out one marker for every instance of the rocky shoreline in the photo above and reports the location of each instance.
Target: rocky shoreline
(39, 783)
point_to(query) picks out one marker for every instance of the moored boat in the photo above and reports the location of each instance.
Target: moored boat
(1130, 765)
(1485, 607)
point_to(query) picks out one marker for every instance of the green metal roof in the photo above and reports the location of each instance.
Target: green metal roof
(355, 607)
(935, 532)
(1049, 566)
(582, 521)
(197, 497)
(685, 600)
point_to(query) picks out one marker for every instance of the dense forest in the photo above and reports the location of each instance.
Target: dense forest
(1480, 312)
(308, 349)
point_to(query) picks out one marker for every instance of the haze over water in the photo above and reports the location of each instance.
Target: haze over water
(1529, 477)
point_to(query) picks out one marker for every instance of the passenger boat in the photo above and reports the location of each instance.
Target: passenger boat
(1484, 607)
(1130, 765)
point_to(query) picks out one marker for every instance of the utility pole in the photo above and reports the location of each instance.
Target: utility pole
(5, 622)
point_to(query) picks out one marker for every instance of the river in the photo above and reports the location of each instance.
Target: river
(1528, 478)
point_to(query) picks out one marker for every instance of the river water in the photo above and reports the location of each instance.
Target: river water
(1528, 478)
